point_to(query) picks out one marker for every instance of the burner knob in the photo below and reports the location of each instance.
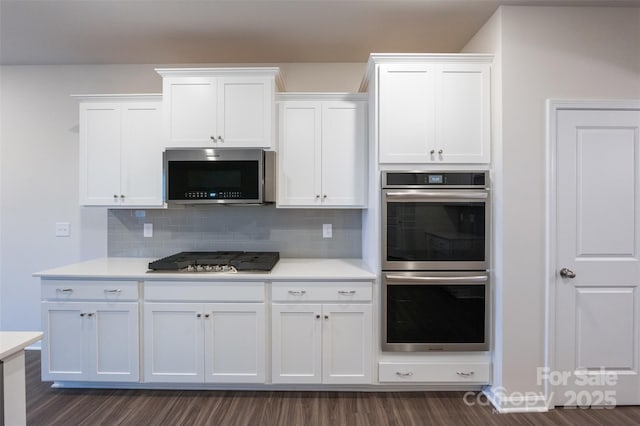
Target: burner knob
(191, 268)
(208, 268)
(199, 268)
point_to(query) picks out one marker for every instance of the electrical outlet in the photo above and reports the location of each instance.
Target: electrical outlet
(327, 230)
(63, 229)
(147, 231)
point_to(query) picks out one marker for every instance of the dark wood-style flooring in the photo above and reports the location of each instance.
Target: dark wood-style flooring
(48, 406)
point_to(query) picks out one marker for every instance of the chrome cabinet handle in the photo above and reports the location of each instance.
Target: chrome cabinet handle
(220, 139)
(407, 374)
(317, 316)
(206, 315)
(347, 293)
(198, 315)
(440, 151)
(326, 317)
(113, 291)
(464, 373)
(324, 196)
(122, 196)
(567, 273)
(82, 314)
(433, 151)
(115, 197)
(317, 196)
(64, 290)
(90, 314)
(297, 292)
(213, 138)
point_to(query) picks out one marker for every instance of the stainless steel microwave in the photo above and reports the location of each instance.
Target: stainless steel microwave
(219, 176)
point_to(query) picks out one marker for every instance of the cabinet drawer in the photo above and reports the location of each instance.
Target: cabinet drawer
(454, 372)
(204, 291)
(322, 292)
(89, 290)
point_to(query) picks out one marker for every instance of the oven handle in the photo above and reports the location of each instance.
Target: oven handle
(460, 279)
(419, 195)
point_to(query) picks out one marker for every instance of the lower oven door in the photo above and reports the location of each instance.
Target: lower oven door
(435, 311)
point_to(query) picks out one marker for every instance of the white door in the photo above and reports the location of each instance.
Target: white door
(245, 112)
(296, 340)
(100, 132)
(141, 160)
(113, 350)
(64, 345)
(462, 113)
(346, 339)
(406, 113)
(300, 154)
(343, 153)
(597, 315)
(190, 111)
(173, 342)
(235, 343)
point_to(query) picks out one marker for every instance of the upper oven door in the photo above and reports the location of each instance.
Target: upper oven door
(435, 229)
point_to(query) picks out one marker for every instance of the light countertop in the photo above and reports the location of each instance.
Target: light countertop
(15, 341)
(135, 268)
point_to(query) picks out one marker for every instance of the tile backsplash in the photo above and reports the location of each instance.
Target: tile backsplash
(292, 232)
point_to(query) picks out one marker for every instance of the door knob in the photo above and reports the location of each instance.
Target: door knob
(567, 273)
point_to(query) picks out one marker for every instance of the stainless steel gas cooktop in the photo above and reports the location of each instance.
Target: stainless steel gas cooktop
(216, 261)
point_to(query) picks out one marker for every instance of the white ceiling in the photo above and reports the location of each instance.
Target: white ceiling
(239, 31)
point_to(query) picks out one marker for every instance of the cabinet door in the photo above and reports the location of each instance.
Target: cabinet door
(347, 343)
(142, 143)
(234, 343)
(245, 111)
(296, 341)
(463, 113)
(173, 342)
(113, 352)
(190, 111)
(64, 345)
(406, 113)
(300, 154)
(100, 132)
(343, 153)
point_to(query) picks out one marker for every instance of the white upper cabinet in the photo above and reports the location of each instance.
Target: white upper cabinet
(120, 150)
(219, 107)
(434, 109)
(322, 150)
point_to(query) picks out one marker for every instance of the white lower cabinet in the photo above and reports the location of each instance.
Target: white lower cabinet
(187, 342)
(327, 343)
(94, 341)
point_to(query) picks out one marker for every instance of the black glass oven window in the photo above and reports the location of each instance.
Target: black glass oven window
(217, 179)
(435, 231)
(435, 313)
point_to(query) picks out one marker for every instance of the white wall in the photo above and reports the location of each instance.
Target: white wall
(39, 167)
(546, 52)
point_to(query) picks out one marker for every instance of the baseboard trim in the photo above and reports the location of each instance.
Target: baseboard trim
(516, 402)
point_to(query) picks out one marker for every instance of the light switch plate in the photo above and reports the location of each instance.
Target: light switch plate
(147, 231)
(327, 230)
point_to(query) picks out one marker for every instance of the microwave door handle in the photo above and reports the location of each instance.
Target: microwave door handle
(432, 279)
(432, 195)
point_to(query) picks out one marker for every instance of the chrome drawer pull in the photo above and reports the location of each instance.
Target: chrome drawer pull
(464, 374)
(64, 290)
(407, 374)
(347, 293)
(114, 291)
(297, 292)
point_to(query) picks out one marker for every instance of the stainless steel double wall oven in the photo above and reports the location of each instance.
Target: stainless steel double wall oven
(435, 261)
